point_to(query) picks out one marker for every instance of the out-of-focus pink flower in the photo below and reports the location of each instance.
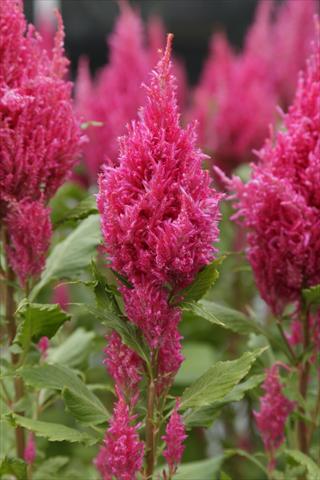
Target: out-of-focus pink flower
(274, 411)
(237, 95)
(116, 93)
(174, 438)
(292, 35)
(123, 364)
(296, 334)
(29, 230)
(280, 205)
(43, 346)
(121, 455)
(61, 296)
(29, 454)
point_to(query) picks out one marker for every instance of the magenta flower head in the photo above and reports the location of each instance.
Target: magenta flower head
(39, 134)
(274, 411)
(121, 455)
(159, 214)
(174, 438)
(116, 94)
(29, 454)
(280, 205)
(43, 346)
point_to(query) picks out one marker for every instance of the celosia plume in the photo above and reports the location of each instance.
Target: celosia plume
(121, 455)
(237, 94)
(43, 346)
(174, 438)
(280, 205)
(159, 217)
(116, 94)
(39, 135)
(274, 411)
(30, 450)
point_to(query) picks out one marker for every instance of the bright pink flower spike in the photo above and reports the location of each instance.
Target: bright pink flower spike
(121, 455)
(280, 205)
(274, 411)
(30, 450)
(43, 346)
(174, 438)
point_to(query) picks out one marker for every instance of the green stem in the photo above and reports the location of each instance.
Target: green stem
(10, 308)
(303, 385)
(150, 430)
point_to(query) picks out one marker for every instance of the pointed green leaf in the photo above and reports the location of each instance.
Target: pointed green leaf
(39, 320)
(74, 350)
(59, 377)
(199, 287)
(218, 381)
(202, 470)
(84, 409)
(71, 256)
(54, 432)
(84, 209)
(49, 469)
(313, 471)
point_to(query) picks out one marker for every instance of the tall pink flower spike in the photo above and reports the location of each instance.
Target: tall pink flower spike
(40, 137)
(159, 217)
(280, 205)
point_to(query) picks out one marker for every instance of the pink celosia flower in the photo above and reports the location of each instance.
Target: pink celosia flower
(29, 229)
(121, 455)
(158, 213)
(291, 39)
(61, 296)
(39, 135)
(123, 364)
(280, 205)
(274, 411)
(29, 454)
(43, 346)
(174, 438)
(116, 94)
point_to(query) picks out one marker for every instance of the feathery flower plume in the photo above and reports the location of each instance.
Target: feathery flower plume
(280, 205)
(39, 134)
(274, 411)
(30, 450)
(116, 94)
(174, 438)
(159, 219)
(121, 455)
(30, 231)
(43, 346)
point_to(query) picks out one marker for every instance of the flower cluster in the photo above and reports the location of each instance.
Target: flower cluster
(174, 438)
(280, 205)
(274, 411)
(121, 455)
(237, 95)
(39, 134)
(116, 93)
(159, 219)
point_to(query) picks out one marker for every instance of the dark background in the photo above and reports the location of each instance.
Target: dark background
(88, 22)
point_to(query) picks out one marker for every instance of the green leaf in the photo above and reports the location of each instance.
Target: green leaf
(71, 256)
(84, 209)
(39, 320)
(312, 295)
(65, 200)
(202, 470)
(74, 350)
(205, 416)
(81, 401)
(13, 466)
(224, 317)
(198, 357)
(307, 462)
(49, 469)
(54, 432)
(105, 294)
(199, 287)
(83, 408)
(91, 123)
(218, 381)
(129, 334)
